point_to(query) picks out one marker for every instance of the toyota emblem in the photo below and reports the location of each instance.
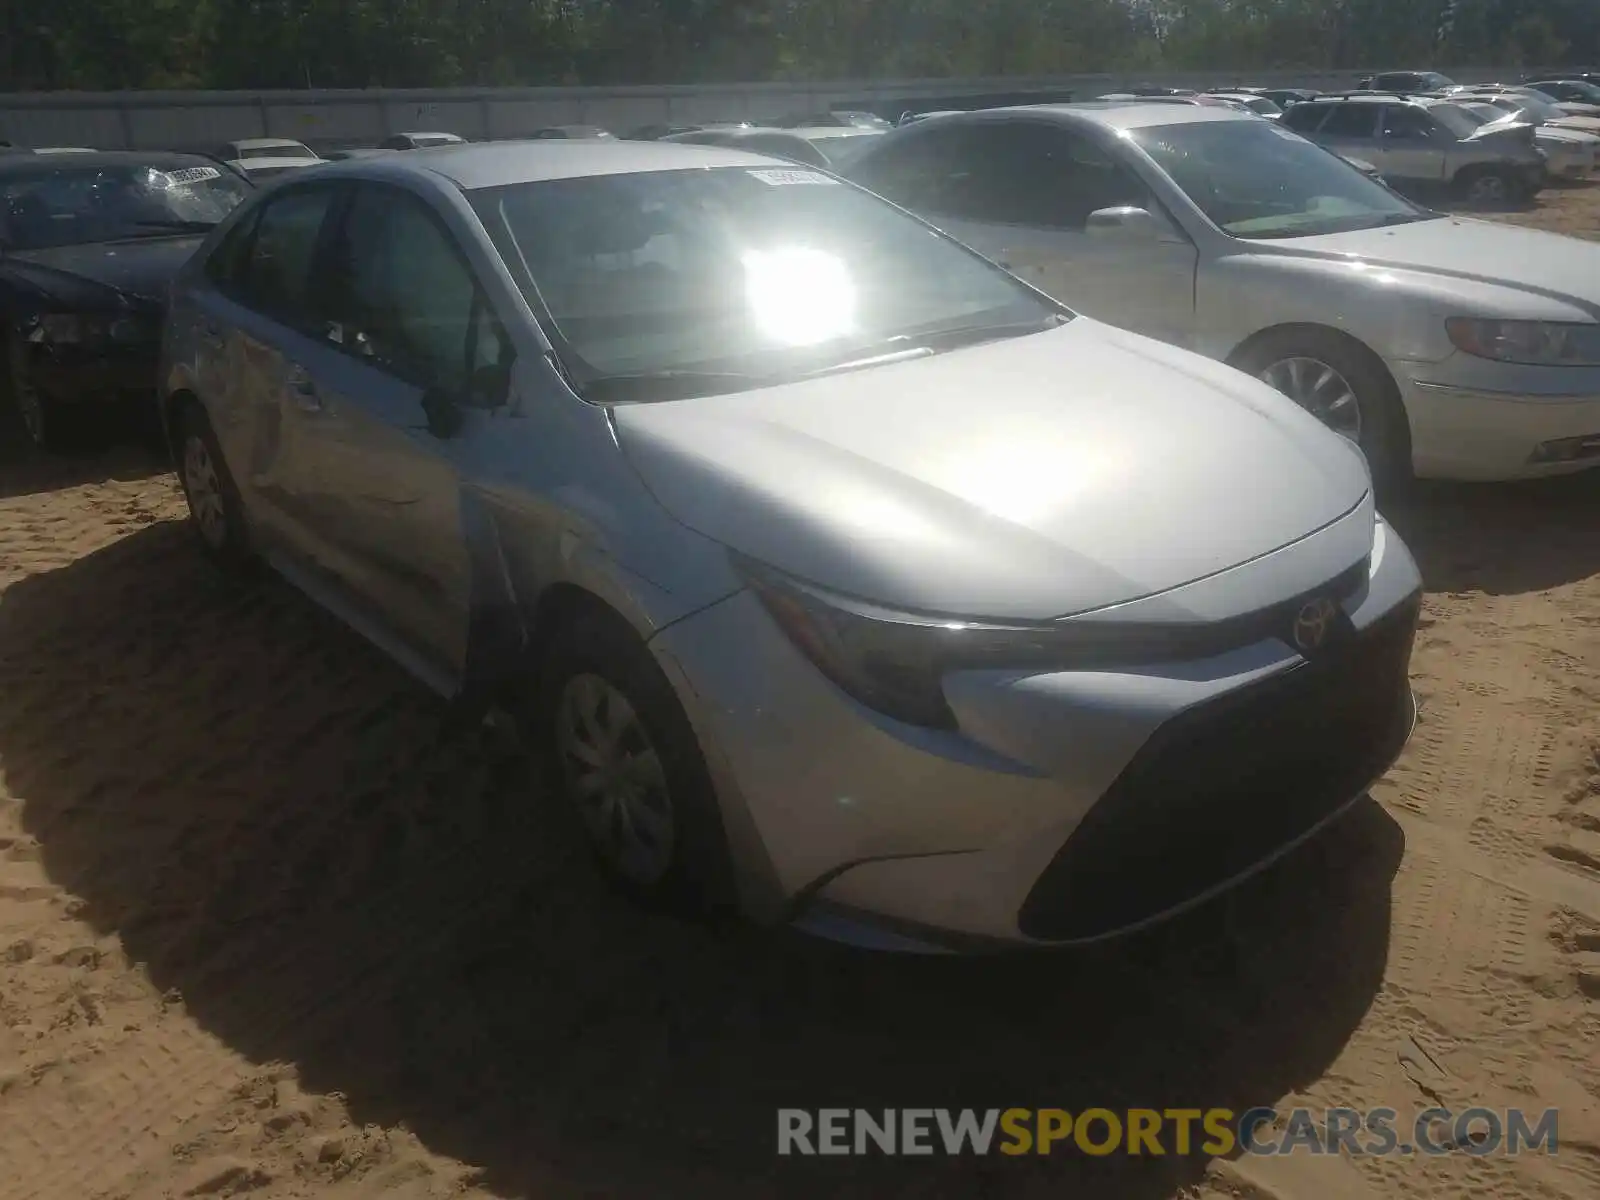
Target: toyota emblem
(1313, 623)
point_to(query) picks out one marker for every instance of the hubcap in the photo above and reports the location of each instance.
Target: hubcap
(1487, 187)
(616, 776)
(31, 408)
(205, 491)
(1321, 391)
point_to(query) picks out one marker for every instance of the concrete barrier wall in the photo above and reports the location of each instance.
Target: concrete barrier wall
(331, 119)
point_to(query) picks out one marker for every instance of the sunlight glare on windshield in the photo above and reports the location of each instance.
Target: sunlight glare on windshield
(800, 296)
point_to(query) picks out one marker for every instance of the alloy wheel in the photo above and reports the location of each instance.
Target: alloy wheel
(204, 488)
(1319, 389)
(616, 776)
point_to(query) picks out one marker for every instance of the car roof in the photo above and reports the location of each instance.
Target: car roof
(277, 160)
(1137, 113)
(416, 133)
(473, 165)
(162, 160)
(265, 142)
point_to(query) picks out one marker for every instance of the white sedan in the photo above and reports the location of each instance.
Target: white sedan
(1442, 346)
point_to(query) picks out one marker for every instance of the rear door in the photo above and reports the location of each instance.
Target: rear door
(258, 315)
(1414, 146)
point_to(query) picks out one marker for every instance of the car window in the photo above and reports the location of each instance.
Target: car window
(1025, 173)
(226, 264)
(406, 299)
(1404, 122)
(276, 274)
(915, 171)
(1351, 120)
(1305, 116)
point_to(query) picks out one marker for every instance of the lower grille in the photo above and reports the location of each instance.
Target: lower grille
(1226, 783)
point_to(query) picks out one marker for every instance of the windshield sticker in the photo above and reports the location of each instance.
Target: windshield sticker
(186, 175)
(780, 177)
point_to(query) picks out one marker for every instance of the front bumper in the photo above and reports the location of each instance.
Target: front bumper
(1500, 422)
(1068, 807)
(81, 375)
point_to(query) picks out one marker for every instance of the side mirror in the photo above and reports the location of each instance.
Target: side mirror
(444, 414)
(1124, 224)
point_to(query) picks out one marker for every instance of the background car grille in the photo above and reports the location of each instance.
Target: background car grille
(1223, 784)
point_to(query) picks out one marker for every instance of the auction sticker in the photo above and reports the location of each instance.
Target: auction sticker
(186, 175)
(778, 177)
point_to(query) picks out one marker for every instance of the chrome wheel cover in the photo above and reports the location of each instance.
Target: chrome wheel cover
(204, 489)
(1488, 189)
(615, 775)
(1319, 389)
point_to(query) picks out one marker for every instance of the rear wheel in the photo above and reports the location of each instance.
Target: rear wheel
(1340, 384)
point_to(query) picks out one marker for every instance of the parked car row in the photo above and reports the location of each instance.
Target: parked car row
(925, 549)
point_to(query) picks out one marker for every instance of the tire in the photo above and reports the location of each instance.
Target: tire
(215, 509)
(1489, 186)
(657, 833)
(1383, 433)
(47, 426)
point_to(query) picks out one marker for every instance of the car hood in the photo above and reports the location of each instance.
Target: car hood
(1561, 268)
(99, 272)
(1031, 478)
(1585, 124)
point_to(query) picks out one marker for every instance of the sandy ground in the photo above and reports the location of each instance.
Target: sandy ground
(265, 928)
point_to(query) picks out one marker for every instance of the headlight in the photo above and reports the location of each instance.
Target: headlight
(1542, 343)
(895, 663)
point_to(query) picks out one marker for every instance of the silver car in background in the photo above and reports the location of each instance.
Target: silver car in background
(844, 578)
(1441, 346)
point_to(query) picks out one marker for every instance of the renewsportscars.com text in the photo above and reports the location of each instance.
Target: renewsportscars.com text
(1154, 1132)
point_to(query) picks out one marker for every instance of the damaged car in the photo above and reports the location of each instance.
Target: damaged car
(843, 578)
(88, 245)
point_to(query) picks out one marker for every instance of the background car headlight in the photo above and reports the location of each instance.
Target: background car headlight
(1542, 343)
(895, 662)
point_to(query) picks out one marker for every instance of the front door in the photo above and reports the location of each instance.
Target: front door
(1412, 147)
(408, 323)
(1028, 191)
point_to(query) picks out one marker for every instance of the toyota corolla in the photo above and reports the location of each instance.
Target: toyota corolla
(844, 578)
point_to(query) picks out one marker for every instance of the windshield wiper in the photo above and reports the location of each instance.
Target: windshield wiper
(638, 386)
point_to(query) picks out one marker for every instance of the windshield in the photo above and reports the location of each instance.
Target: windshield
(63, 205)
(1579, 92)
(1257, 180)
(1454, 118)
(1261, 104)
(276, 150)
(755, 273)
(1532, 108)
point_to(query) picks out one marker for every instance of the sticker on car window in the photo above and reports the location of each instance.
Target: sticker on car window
(779, 177)
(187, 175)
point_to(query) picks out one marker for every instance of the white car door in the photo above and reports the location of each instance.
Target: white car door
(1025, 198)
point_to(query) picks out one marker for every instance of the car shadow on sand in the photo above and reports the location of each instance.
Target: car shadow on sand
(273, 820)
(116, 452)
(1502, 539)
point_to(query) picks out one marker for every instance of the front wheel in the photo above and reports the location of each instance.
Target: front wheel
(42, 419)
(214, 505)
(627, 760)
(1343, 387)
(1489, 187)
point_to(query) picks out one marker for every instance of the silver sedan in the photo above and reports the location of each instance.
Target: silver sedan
(1442, 346)
(844, 579)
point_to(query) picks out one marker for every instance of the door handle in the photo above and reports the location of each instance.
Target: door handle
(304, 390)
